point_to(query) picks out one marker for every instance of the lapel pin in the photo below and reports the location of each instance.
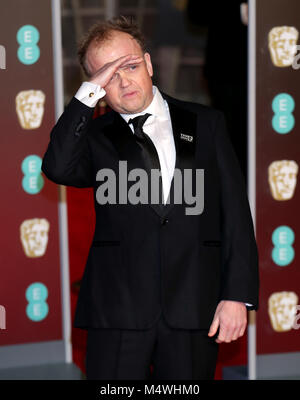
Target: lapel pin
(186, 137)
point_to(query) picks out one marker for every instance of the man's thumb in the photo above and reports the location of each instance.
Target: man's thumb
(214, 327)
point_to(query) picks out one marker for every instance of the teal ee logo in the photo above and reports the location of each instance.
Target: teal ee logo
(283, 120)
(36, 295)
(28, 37)
(283, 238)
(32, 181)
(2, 57)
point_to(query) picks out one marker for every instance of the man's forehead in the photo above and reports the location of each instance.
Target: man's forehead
(118, 44)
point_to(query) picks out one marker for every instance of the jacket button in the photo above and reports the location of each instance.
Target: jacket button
(164, 221)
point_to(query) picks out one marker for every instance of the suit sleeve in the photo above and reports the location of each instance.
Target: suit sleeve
(240, 276)
(67, 160)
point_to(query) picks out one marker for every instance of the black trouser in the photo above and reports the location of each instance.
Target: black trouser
(128, 354)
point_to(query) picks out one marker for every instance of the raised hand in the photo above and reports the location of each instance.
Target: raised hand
(104, 75)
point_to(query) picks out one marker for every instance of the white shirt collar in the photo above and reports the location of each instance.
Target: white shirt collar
(157, 108)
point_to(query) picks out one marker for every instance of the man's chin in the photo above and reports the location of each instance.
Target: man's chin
(132, 108)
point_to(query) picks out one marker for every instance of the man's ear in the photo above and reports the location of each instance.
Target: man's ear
(148, 63)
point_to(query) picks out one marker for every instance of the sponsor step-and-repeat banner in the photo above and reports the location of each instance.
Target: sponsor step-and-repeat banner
(277, 174)
(30, 282)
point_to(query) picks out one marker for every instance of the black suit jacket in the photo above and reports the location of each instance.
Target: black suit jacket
(144, 261)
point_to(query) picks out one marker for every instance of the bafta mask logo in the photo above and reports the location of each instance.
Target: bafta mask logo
(283, 45)
(283, 179)
(30, 108)
(34, 236)
(282, 310)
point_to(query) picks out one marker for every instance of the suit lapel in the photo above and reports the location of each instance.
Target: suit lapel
(121, 136)
(184, 125)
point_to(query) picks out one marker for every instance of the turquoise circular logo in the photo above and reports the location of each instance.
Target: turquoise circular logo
(36, 294)
(283, 120)
(28, 35)
(37, 311)
(37, 291)
(283, 123)
(283, 252)
(283, 255)
(31, 165)
(32, 182)
(28, 54)
(283, 235)
(283, 103)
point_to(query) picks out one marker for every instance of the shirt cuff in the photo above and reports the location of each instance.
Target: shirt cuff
(89, 94)
(246, 304)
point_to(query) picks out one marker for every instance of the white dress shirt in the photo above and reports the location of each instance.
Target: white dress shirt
(158, 127)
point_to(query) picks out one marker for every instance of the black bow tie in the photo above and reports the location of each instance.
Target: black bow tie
(138, 123)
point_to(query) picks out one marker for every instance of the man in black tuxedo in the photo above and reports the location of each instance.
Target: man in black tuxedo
(164, 283)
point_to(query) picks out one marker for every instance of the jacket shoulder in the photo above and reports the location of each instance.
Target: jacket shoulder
(203, 110)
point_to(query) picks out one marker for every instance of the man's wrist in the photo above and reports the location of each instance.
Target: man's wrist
(89, 93)
(242, 302)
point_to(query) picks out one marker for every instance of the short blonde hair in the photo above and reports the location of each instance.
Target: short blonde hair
(102, 31)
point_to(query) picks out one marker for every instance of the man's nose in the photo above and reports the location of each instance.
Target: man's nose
(124, 81)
